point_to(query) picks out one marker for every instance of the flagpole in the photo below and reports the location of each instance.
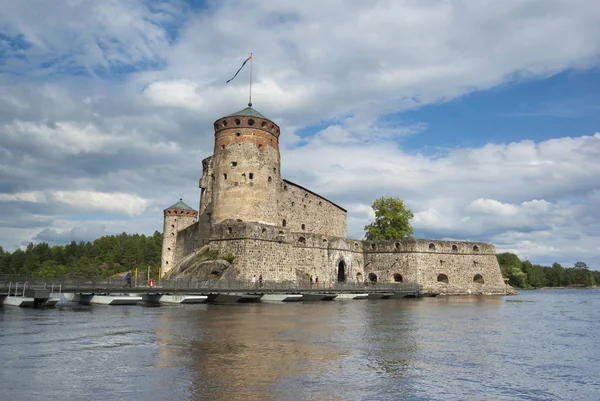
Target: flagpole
(250, 96)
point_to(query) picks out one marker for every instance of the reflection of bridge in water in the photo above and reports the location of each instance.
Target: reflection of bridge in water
(114, 291)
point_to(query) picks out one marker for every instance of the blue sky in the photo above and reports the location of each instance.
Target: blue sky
(482, 116)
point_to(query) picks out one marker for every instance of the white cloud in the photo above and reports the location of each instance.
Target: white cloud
(86, 201)
(134, 130)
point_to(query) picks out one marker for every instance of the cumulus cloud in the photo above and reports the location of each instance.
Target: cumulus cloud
(115, 107)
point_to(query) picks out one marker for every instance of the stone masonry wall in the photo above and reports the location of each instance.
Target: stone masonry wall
(304, 211)
(246, 171)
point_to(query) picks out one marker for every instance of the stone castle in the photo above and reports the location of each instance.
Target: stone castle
(282, 231)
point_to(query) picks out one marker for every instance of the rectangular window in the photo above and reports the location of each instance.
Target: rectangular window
(251, 176)
(233, 164)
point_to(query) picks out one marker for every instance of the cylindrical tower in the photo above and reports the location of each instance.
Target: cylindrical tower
(246, 168)
(177, 217)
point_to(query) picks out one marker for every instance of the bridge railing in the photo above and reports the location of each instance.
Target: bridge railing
(119, 283)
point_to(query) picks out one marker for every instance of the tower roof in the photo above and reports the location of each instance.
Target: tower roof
(248, 112)
(180, 205)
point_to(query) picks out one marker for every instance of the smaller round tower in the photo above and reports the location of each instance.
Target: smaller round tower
(177, 217)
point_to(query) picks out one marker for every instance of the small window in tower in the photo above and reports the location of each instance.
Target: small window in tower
(250, 122)
(283, 223)
(237, 134)
(168, 249)
(172, 226)
(224, 123)
(303, 226)
(251, 176)
(166, 261)
(270, 179)
(263, 124)
(244, 176)
(229, 230)
(222, 147)
(260, 146)
(216, 126)
(285, 187)
(293, 203)
(237, 121)
(225, 177)
(233, 164)
(320, 203)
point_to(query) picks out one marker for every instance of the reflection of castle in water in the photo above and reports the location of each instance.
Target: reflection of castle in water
(251, 351)
(283, 231)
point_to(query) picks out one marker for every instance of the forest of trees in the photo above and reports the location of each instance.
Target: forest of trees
(104, 257)
(527, 275)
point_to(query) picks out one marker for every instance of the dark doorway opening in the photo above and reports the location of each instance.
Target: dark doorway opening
(398, 278)
(341, 271)
(373, 277)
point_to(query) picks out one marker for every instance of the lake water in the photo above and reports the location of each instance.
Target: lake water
(539, 345)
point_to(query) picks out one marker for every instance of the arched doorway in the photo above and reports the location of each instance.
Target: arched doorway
(442, 278)
(398, 278)
(359, 278)
(341, 276)
(478, 279)
(373, 277)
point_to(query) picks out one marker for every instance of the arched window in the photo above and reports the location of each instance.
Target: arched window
(373, 246)
(442, 278)
(475, 248)
(302, 240)
(478, 278)
(373, 277)
(229, 230)
(432, 247)
(283, 223)
(303, 227)
(454, 248)
(398, 278)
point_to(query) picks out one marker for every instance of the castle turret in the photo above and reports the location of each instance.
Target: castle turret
(177, 217)
(246, 165)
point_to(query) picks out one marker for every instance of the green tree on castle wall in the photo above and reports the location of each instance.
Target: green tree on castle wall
(392, 220)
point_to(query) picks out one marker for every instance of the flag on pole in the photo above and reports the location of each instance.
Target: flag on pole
(238, 71)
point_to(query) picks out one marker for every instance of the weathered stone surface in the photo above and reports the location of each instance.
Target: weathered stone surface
(279, 230)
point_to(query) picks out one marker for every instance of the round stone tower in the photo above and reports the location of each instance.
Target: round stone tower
(246, 168)
(177, 217)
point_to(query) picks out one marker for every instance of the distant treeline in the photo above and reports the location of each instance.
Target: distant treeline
(527, 275)
(104, 257)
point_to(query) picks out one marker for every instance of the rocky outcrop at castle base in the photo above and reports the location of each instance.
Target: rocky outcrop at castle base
(203, 264)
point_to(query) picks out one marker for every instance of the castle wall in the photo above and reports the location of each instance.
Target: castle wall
(305, 211)
(423, 261)
(280, 254)
(206, 193)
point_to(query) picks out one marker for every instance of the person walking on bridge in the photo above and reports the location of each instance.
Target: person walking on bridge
(128, 279)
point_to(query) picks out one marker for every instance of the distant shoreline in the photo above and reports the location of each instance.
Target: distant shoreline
(595, 287)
